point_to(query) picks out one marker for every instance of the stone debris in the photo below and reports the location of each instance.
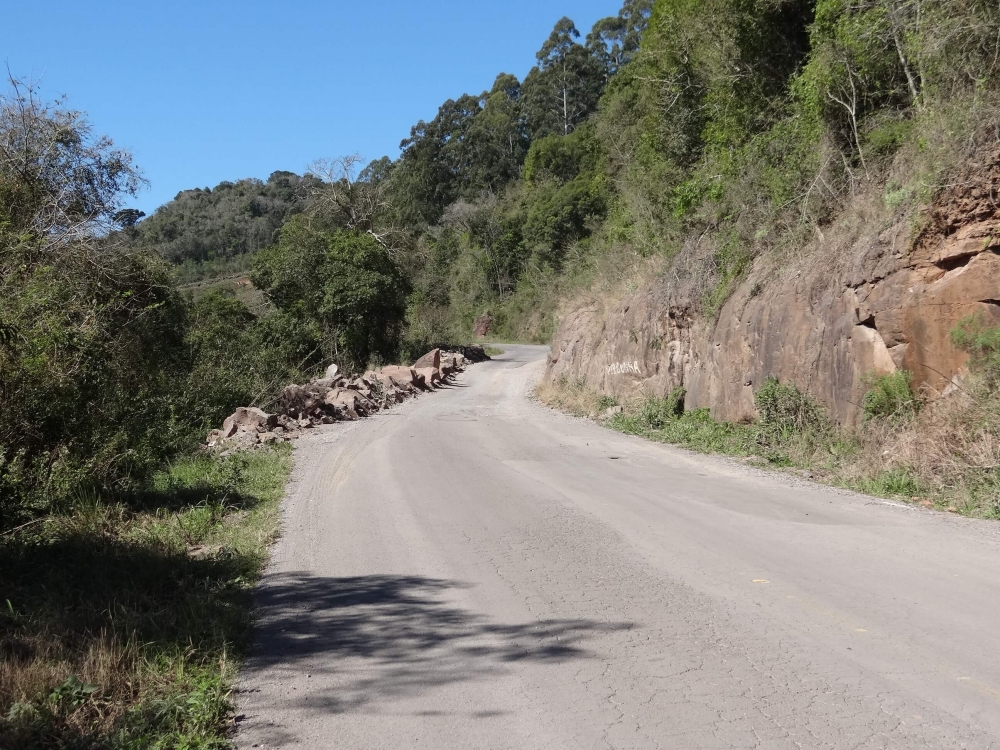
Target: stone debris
(338, 398)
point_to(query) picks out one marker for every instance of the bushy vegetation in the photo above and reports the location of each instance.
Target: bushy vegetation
(709, 131)
(106, 368)
(206, 231)
(124, 617)
(890, 397)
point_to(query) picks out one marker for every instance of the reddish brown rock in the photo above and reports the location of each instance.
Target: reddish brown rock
(401, 377)
(431, 375)
(824, 321)
(248, 418)
(482, 325)
(431, 359)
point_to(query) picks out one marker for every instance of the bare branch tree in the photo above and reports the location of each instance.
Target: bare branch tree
(350, 197)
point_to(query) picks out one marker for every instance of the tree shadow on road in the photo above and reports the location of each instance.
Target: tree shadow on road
(376, 638)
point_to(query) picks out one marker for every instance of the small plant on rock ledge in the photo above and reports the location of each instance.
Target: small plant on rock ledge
(890, 397)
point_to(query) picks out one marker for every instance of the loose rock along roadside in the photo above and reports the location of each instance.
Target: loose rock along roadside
(336, 398)
(478, 571)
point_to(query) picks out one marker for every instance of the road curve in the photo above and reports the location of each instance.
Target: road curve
(473, 570)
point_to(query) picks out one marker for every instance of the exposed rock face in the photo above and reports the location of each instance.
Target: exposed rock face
(482, 325)
(821, 324)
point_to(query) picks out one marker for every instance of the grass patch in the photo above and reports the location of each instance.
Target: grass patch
(945, 454)
(122, 619)
(492, 351)
(791, 431)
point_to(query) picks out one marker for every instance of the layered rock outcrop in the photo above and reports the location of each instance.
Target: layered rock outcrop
(883, 301)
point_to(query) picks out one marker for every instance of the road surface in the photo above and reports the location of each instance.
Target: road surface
(473, 570)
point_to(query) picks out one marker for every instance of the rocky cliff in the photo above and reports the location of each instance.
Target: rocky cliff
(878, 299)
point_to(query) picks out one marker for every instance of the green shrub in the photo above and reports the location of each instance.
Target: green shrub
(606, 402)
(893, 483)
(783, 409)
(890, 396)
(982, 342)
(345, 283)
(657, 412)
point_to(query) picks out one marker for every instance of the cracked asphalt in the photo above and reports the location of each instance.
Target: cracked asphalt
(474, 570)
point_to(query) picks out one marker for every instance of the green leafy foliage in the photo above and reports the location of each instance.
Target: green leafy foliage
(783, 408)
(87, 359)
(344, 284)
(201, 229)
(982, 341)
(237, 358)
(657, 412)
(890, 396)
(564, 88)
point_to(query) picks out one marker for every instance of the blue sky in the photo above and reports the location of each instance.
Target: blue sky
(207, 91)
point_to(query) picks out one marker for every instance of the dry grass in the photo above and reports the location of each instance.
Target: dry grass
(573, 398)
(952, 449)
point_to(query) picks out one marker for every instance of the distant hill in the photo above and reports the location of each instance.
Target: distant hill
(213, 231)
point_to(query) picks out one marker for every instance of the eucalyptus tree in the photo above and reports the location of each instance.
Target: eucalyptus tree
(565, 85)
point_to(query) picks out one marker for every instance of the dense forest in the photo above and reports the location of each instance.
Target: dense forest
(203, 229)
(745, 125)
(700, 133)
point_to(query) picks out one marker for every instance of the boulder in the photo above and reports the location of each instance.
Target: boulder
(431, 359)
(475, 353)
(420, 382)
(332, 371)
(391, 395)
(450, 364)
(431, 375)
(361, 386)
(247, 418)
(242, 440)
(405, 377)
(297, 401)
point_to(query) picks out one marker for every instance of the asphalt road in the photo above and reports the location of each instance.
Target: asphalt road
(473, 570)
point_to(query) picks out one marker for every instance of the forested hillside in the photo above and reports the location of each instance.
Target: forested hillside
(211, 231)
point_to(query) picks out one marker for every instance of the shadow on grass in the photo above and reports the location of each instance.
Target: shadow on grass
(67, 589)
(97, 609)
(374, 639)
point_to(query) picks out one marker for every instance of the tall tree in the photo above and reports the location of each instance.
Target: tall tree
(615, 40)
(566, 84)
(497, 141)
(434, 159)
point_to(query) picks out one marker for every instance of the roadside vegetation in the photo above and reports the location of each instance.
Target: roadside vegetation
(944, 455)
(682, 140)
(124, 616)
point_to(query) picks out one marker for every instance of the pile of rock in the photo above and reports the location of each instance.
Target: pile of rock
(336, 398)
